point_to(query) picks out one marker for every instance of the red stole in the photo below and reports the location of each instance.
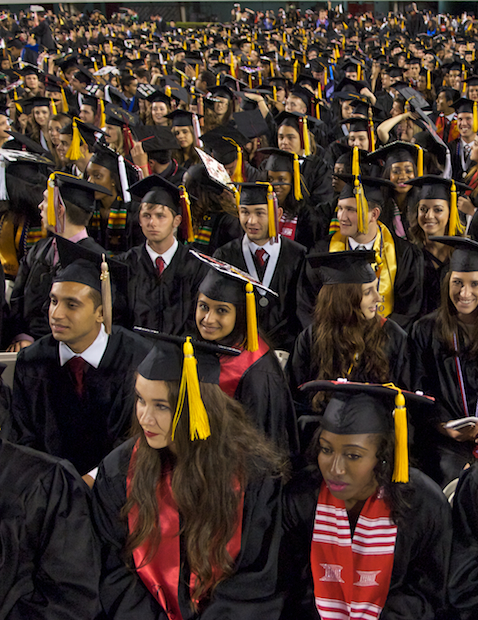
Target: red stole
(288, 226)
(232, 368)
(161, 575)
(351, 575)
(441, 123)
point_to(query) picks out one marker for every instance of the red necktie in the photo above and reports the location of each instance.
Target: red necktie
(160, 265)
(77, 369)
(261, 256)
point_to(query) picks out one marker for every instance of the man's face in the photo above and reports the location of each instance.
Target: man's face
(255, 222)
(63, 146)
(130, 89)
(72, 315)
(442, 103)
(31, 82)
(157, 222)
(295, 104)
(87, 113)
(360, 139)
(386, 81)
(464, 122)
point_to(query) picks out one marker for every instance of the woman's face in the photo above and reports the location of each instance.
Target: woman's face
(113, 135)
(158, 110)
(184, 136)
(215, 320)
(42, 115)
(400, 173)
(276, 179)
(288, 139)
(54, 131)
(433, 214)
(347, 109)
(347, 464)
(396, 109)
(154, 411)
(422, 83)
(221, 105)
(463, 290)
(100, 176)
(370, 299)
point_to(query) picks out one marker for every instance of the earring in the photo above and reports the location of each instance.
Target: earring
(384, 462)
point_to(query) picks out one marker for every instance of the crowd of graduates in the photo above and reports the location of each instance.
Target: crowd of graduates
(240, 279)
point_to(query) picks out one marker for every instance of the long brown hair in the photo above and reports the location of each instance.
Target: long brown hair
(345, 343)
(208, 480)
(447, 321)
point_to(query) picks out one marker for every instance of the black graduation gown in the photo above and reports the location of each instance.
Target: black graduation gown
(433, 371)
(30, 296)
(223, 228)
(422, 550)
(408, 288)
(434, 272)
(278, 320)
(249, 593)
(317, 177)
(463, 581)
(173, 173)
(50, 417)
(302, 368)
(50, 566)
(167, 302)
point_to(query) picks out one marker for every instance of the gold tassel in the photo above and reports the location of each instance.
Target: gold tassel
(419, 160)
(271, 212)
(111, 47)
(102, 114)
(317, 110)
(305, 131)
(274, 93)
(104, 60)
(237, 197)
(95, 65)
(400, 469)
(199, 427)
(106, 296)
(54, 111)
(186, 203)
(319, 91)
(74, 152)
(359, 72)
(297, 188)
(218, 79)
(362, 207)
(429, 80)
(475, 116)
(296, 71)
(372, 134)
(455, 227)
(251, 319)
(51, 214)
(64, 101)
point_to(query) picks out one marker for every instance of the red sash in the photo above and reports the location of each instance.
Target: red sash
(287, 226)
(161, 575)
(351, 575)
(232, 368)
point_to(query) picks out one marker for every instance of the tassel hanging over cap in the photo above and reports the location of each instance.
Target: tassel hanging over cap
(455, 227)
(475, 116)
(74, 152)
(419, 160)
(296, 169)
(400, 470)
(51, 214)
(64, 101)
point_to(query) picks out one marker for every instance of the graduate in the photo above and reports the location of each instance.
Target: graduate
(164, 276)
(72, 393)
(188, 511)
(52, 561)
(364, 534)
(443, 363)
(226, 314)
(401, 275)
(347, 338)
(274, 260)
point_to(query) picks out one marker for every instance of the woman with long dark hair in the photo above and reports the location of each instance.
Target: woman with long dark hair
(188, 511)
(347, 337)
(218, 108)
(184, 129)
(444, 363)
(364, 535)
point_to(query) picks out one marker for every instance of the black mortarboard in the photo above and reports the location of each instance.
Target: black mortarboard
(357, 124)
(81, 271)
(472, 80)
(251, 124)
(465, 257)
(180, 118)
(463, 105)
(87, 131)
(253, 193)
(21, 141)
(304, 94)
(30, 70)
(119, 117)
(78, 191)
(349, 267)
(394, 152)
(37, 102)
(156, 190)
(222, 142)
(221, 91)
(155, 138)
(159, 96)
(372, 187)
(435, 187)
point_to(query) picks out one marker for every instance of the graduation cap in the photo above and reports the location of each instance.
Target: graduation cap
(181, 118)
(349, 267)
(467, 106)
(262, 193)
(231, 285)
(82, 133)
(159, 96)
(119, 117)
(83, 75)
(222, 90)
(465, 257)
(39, 102)
(398, 151)
(157, 191)
(30, 70)
(79, 264)
(251, 123)
(22, 142)
(366, 408)
(63, 187)
(155, 138)
(438, 188)
(226, 144)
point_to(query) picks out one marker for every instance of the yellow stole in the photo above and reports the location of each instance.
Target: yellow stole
(384, 248)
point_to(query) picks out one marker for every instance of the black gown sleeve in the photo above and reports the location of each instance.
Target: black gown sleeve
(123, 595)
(408, 288)
(463, 582)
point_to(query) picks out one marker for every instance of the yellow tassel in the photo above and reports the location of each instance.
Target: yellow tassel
(106, 296)
(251, 319)
(74, 152)
(64, 101)
(297, 189)
(51, 214)
(104, 60)
(197, 71)
(362, 207)
(419, 160)
(54, 111)
(317, 111)
(237, 197)
(271, 212)
(319, 91)
(272, 71)
(95, 65)
(455, 227)
(187, 213)
(102, 114)
(296, 71)
(218, 79)
(400, 470)
(274, 93)
(305, 129)
(237, 176)
(372, 136)
(167, 91)
(359, 72)
(198, 419)
(475, 116)
(355, 162)
(429, 80)
(111, 47)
